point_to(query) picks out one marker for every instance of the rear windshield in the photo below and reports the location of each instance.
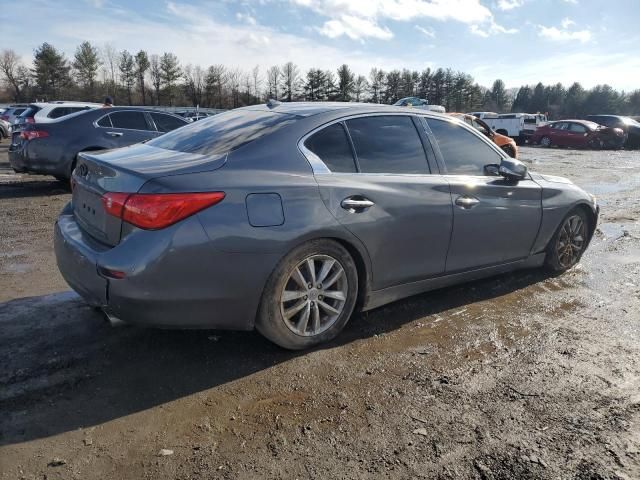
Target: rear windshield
(222, 133)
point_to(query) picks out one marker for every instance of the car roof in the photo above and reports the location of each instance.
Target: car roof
(308, 109)
(64, 104)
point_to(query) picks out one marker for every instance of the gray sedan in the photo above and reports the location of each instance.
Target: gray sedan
(287, 217)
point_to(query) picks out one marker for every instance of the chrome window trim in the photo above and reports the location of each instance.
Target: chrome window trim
(95, 123)
(319, 167)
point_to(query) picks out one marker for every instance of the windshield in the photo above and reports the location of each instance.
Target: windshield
(630, 121)
(223, 133)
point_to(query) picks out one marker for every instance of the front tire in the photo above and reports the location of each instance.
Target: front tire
(310, 296)
(569, 242)
(545, 141)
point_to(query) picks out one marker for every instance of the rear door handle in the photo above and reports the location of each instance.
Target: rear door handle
(114, 134)
(467, 202)
(356, 204)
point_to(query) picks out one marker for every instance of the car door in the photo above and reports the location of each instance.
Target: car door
(495, 221)
(576, 135)
(122, 128)
(378, 185)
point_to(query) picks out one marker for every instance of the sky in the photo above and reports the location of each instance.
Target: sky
(520, 41)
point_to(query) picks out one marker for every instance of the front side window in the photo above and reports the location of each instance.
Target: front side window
(129, 120)
(331, 145)
(166, 123)
(463, 153)
(387, 144)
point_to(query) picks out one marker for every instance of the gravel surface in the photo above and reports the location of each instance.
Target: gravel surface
(519, 376)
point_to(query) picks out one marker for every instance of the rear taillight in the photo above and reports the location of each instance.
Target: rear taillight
(152, 211)
(32, 134)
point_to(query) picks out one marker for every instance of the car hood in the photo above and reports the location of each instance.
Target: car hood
(551, 178)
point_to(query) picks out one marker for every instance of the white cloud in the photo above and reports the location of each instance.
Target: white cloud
(355, 28)
(360, 19)
(509, 4)
(574, 2)
(426, 31)
(564, 34)
(245, 17)
(491, 29)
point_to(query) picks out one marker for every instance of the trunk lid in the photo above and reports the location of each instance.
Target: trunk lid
(124, 170)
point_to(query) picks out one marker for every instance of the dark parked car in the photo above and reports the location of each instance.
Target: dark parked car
(578, 134)
(287, 217)
(52, 148)
(627, 124)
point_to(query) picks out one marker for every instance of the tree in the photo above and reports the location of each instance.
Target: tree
(51, 71)
(156, 76)
(169, 73)
(376, 83)
(359, 87)
(141, 67)
(313, 86)
(127, 72)
(573, 105)
(86, 63)
(499, 95)
(393, 84)
(12, 71)
(257, 81)
(214, 85)
(194, 84)
(290, 81)
(110, 59)
(273, 81)
(345, 83)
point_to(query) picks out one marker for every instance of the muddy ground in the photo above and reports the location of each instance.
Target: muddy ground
(518, 376)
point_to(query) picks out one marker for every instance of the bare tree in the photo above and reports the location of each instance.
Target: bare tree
(234, 77)
(273, 81)
(360, 86)
(194, 83)
(110, 59)
(257, 81)
(10, 68)
(156, 75)
(290, 81)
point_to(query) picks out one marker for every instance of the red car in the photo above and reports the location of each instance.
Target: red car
(578, 133)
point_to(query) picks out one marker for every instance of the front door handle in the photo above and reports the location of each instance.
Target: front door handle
(114, 134)
(354, 204)
(467, 202)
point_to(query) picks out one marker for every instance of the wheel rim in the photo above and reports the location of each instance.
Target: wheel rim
(546, 141)
(571, 241)
(314, 295)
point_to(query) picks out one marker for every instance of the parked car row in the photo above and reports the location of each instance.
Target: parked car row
(50, 146)
(578, 134)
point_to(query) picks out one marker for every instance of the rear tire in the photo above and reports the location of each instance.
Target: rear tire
(569, 242)
(297, 310)
(545, 141)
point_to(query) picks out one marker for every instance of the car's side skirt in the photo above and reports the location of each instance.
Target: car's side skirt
(382, 297)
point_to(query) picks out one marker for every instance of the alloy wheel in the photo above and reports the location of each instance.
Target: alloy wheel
(545, 142)
(314, 295)
(571, 241)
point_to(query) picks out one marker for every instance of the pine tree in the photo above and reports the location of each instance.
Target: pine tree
(170, 73)
(141, 67)
(51, 71)
(86, 63)
(127, 72)
(345, 83)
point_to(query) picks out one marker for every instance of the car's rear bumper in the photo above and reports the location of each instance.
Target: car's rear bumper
(36, 157)
(173, 279)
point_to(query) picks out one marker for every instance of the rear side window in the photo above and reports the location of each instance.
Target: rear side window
(387, 144)
(63, 111)
(166, 123)
(462, 151)
(129, 120)
(224, 132)
(18, 111)
(331, 145)
(577, 128)
(105, 122)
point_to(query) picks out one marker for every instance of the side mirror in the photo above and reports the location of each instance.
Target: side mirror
(512, 169)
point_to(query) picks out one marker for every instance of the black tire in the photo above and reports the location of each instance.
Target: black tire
(271, 322)
(557, 261)
(596, 144)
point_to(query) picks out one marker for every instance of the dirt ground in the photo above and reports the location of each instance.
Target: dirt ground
(519, 376)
